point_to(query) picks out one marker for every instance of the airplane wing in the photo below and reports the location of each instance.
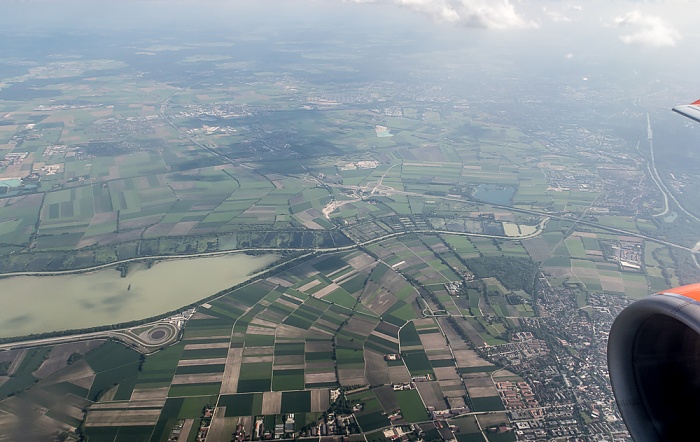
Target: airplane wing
(691, 111)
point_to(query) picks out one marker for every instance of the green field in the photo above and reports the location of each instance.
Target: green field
(412, 407)
(413, 215)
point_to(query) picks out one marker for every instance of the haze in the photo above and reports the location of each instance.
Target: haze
(451, 199)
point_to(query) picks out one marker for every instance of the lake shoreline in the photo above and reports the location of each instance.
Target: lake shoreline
(96, 298)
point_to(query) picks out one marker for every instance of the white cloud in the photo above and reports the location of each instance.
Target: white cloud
(562, 12)
(556, 16)
(494, 14)
(647, 30)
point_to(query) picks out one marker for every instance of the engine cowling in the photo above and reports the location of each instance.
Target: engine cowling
(654, 364)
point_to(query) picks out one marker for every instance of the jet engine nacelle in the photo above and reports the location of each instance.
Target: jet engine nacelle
(654, 364)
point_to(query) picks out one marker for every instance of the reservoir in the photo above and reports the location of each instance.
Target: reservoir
(37, 304)
(494, 194)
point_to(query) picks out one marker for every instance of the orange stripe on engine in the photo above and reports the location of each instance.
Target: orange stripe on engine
(691, 291)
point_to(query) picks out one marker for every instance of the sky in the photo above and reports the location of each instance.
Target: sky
(641, 50)
(649, 24)
(656, 36)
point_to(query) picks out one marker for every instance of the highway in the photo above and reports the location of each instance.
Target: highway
(657, 178)
(544, 214)
(383, 190)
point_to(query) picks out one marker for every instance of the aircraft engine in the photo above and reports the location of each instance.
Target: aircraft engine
(654, 364)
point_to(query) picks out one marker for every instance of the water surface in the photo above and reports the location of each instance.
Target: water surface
(494, 194)
(37, 304)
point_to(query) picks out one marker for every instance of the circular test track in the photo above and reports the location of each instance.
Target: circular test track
(155, 337)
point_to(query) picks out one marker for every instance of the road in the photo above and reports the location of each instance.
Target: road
(371, 241)
(271, 250)
(667, 194)
(548, 215)
(334, 204)
(107, 334)
(117, 334)
(654, 173)
(657, 178)
(379, 181)
(195, 141)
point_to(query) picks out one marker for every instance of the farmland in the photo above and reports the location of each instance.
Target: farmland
(279, 345)
(204, 176)
(445, 259)
(273, 347)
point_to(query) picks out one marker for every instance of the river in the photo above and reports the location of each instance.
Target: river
(37, 304)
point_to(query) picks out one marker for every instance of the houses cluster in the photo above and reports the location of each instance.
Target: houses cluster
(514, 353)
(204, 423)
(371, 164)
(453, 287)
(59, 149)
(518, 396)
(566, 392)
(340, 425)
(239, 435)
(331, 424)
(446, 414)
(13, 159)
(399, 433)
(423, 378)
(629, 254)
(283, 429)
(176, 431)
(403, 386)
(561, 179)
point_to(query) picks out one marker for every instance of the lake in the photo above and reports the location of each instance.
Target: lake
(494, 194)
(37, 304)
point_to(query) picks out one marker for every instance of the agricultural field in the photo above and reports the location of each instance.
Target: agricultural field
(58, 382)
(201, 175)
(278, 345)
(269, 348)
(600, 261)
(435, 240)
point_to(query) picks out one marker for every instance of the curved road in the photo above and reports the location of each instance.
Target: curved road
(667, 193)
(545, 215)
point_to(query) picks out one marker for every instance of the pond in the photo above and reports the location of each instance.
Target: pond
(494, 194)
